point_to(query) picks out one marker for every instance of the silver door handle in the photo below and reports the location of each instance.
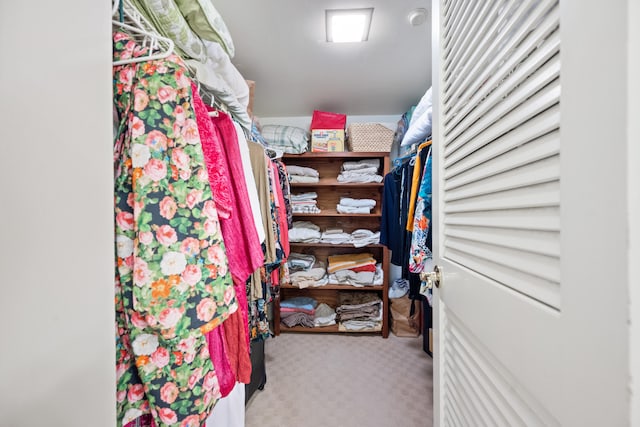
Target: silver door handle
(432, 277)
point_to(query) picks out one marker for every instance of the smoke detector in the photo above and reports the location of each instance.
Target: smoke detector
(417, 16)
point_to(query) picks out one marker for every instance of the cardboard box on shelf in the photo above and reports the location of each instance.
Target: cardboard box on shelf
(327, 140)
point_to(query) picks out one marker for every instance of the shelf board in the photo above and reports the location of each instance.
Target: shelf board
(326, 329)
(336, 154)
(333, 182)
(334, 213)
(333, 245)
(337, 288)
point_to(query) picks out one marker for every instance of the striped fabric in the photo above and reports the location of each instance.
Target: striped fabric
(289, 139)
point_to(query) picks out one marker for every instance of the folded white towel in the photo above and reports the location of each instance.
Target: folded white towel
(362, 171)
(359, 178)
(353, 210)
(304, 196)
(361, 164)
(357, 203)
(302, 170)
(303, 179)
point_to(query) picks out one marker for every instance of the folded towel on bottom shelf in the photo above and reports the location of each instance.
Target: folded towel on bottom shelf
(325, 315)
(297, 318)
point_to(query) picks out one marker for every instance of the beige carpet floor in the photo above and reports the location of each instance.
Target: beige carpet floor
(322, 380)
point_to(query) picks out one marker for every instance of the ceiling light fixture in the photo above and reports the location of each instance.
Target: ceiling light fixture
(348, 25)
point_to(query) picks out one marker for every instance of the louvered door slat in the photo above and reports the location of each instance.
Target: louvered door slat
(466, 10)
(538, 48)
(451, 25)
(533, 173)
(514, 111)
(479, 21)
(512, 30)
(542, 219)
(470, 57)
(480, 150)
(538, 196)
(540, 242)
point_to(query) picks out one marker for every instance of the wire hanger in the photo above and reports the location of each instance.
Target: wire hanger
(135, 24)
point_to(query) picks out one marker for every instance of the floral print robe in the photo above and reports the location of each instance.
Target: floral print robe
(172, 278)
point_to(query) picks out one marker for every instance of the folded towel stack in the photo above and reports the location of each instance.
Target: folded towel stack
(325, 315)
(355, 262)
(335, 236)
(365, 170)
(305, 203)
(348, 205)
(299, 262)
(304, 232)
(359, 311)
(362, 237)
(298, 311)
(302, 174)
(357, 278)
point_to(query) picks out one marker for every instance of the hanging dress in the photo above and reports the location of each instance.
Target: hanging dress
(172, 277)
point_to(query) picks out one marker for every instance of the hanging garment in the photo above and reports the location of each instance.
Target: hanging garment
(219, 177)
(420, 247)
(416, 179)
(286, 191)
(172, 277)
(250, 181)
(260, 169)
(239, 232)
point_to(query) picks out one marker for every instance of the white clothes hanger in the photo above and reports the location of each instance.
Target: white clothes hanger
(137, 26)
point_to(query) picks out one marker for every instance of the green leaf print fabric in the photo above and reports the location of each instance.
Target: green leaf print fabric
(172, 279)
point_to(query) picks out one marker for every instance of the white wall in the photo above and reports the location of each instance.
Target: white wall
(633, 165)
(56, 267)
(390, 121)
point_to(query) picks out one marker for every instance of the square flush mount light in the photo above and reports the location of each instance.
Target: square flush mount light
(348, 25)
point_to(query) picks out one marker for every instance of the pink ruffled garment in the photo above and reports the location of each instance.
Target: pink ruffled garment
(244, 250)
(239, 231)
(219, 178)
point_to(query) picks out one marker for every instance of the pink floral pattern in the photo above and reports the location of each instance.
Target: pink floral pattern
(172, 276)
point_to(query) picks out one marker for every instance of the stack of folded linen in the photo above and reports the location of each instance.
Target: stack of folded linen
(348, 205)
(325, 315)
(362, 237)
(298, 311)
(305, 271)
(302, 174)
(352, 269)
(300, 262)
(304, 232)
(359, 311)
(336, 236)
(357, 278)
(365, 170)
(305, 203)
(356, 262)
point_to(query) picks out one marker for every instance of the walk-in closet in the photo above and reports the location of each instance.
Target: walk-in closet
(221, 213)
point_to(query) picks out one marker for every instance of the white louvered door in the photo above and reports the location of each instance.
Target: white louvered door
(506, 316)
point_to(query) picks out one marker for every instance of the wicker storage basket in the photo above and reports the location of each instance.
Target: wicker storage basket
(369, 137)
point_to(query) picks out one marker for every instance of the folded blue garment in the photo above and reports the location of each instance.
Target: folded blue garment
(307, 303)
